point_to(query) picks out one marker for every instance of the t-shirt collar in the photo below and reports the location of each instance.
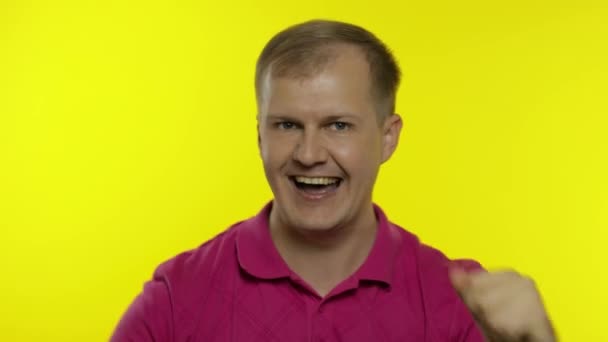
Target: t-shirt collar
(255, 249)
(258, 256)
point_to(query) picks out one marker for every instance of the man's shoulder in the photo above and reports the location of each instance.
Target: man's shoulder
(197, 265)
(433, 260)
(174, 299)
(429, 259)
(446, 313)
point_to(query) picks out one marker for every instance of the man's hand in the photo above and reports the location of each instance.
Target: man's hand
(506, 305)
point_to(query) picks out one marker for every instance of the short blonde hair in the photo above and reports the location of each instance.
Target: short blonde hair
(304, 49)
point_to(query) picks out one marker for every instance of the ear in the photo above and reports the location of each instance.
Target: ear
(391, 131)
(259, 138)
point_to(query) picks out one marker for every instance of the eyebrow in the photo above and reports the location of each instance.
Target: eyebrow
(333, 117)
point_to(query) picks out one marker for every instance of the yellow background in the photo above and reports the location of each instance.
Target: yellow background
(127, 135)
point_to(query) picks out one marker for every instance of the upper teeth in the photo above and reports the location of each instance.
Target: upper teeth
(316, 180)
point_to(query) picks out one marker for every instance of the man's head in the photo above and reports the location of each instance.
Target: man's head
(326, 93)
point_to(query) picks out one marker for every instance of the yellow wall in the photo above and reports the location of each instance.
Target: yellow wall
(127, 135)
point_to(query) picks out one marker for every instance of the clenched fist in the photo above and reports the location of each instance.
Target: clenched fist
(506, 305)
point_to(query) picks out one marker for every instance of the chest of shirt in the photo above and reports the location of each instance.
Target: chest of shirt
(281, 311)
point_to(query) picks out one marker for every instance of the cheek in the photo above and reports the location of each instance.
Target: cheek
(275, 151)
(356, 156)
(360, 159)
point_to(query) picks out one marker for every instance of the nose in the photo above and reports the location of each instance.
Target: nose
(310, 149)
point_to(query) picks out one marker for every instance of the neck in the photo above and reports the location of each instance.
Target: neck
(325, 258)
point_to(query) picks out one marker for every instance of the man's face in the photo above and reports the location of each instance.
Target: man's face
(321, 143)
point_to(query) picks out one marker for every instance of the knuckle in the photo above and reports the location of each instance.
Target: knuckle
(528, 281)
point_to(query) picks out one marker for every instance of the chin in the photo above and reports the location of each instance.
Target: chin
(313, 219)
(317, 225)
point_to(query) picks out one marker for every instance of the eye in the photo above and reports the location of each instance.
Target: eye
(285, 125)
(340, 125)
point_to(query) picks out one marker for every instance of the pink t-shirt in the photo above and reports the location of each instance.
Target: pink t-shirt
(236, 287)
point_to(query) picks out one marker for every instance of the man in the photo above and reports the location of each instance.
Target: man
(321, 262)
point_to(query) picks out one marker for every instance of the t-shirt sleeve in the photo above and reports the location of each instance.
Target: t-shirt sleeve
(464, 328)
(472, 334)
(149, 317)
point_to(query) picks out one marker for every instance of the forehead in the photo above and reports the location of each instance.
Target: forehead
(343, 84)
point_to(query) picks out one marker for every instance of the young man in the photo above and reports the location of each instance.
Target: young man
(321, 262)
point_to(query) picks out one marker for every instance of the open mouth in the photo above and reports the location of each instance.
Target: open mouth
(316, 187)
